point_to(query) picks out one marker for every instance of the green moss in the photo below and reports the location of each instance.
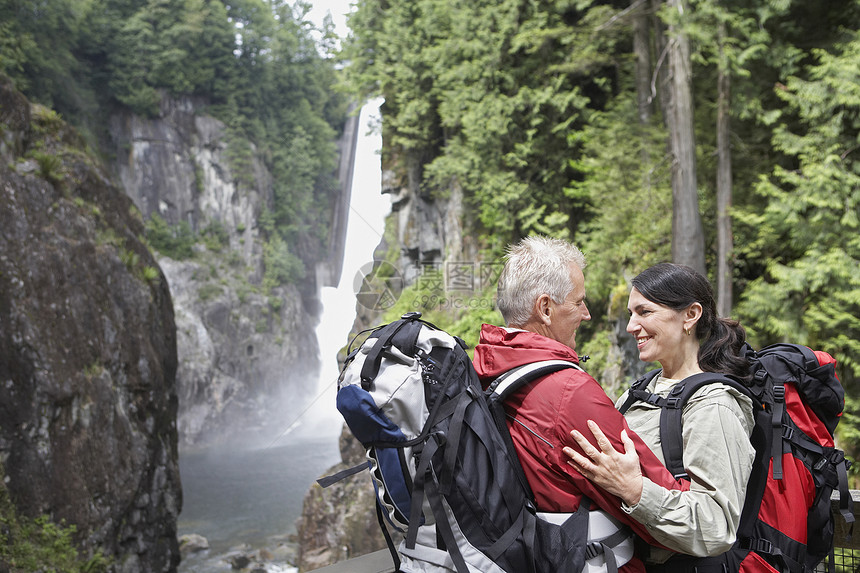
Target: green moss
(50, 166)
(151, 275)
(40, 544)
(209, 291)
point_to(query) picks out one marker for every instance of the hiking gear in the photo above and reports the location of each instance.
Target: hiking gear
(541, 416)
(442, 461)
(797, 400)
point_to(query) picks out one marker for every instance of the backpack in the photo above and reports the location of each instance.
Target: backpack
(442, 462)
(797, 400)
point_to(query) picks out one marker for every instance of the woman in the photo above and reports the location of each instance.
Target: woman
(674, 321)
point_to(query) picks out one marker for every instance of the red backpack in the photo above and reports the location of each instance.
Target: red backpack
(798, 400)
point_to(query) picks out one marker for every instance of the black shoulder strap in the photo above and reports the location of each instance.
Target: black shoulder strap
(502, 387)
(638, 391)
(672, 407)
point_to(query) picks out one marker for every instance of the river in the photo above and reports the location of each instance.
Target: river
(253, 497)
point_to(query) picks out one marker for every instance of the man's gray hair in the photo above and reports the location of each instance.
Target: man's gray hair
(535, 266)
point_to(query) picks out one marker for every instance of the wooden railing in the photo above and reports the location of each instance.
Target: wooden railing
(846, 542)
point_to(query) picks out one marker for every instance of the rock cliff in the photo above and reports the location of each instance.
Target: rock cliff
(248, 357)
(87, 338)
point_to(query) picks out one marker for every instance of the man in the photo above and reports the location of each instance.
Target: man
(541, 295)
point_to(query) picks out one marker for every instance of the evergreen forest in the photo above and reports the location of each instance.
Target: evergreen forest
(721, 134)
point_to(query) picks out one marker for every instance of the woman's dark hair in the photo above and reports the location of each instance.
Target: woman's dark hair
(721, 339)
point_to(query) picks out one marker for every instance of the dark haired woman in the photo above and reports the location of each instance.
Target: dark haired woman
(674, 321)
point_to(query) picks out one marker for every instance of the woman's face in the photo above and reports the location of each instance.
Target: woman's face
(658, 329)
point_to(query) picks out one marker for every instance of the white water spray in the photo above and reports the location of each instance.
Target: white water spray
(366, 223)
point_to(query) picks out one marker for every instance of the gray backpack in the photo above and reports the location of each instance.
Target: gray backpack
(443, 464)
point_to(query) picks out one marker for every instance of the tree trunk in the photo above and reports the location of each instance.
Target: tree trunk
(642, 53)
(688, 241)
(725, 244)
(660, 78)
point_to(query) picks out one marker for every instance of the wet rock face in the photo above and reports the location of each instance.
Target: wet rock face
(245, 367)
(248, 356)
(87, 346)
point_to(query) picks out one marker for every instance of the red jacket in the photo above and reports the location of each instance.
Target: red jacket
(551, 407)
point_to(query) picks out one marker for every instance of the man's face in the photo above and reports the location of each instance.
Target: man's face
(567, 316)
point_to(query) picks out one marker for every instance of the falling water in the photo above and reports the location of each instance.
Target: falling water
(252, 497)
(367, 211)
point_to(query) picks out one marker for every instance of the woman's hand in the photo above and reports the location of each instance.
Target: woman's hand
(616, 472)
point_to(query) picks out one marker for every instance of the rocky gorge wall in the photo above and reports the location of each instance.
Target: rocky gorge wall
(112, 357)
(247, 357)
(88, 354)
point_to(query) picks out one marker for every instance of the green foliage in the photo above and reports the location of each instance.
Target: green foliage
(37, 44)
(808, 233)
(175, 242)
(215, 237)
(50, 165)
(484, 96)
(151, 274)
(254, 63)
(282, 266)
(209, 291)
(627, 182)
(276, 303)
(129, 258)
(40, 544)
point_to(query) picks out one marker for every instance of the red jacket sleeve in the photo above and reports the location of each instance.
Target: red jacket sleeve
(586, 400)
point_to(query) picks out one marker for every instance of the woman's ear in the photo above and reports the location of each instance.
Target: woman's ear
(692, 316)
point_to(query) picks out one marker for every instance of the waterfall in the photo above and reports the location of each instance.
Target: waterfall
(366, 223)
(254, 497)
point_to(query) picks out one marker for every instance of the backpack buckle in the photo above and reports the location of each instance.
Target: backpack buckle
(593, 549)
(763, 546)
(836, 457)
(779, 393)
(787, 432)
(758, 545)
(672, 402)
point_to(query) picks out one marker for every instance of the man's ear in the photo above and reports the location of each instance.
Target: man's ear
(543, 309)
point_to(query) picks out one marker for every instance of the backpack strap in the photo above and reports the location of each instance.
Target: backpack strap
(670, 417)
(402, 333)
(671, 408)
(513, 380)
(638, 391)
(332, 479)
(502, 387)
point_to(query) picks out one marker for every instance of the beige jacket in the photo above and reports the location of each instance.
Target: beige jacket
(718, 457)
